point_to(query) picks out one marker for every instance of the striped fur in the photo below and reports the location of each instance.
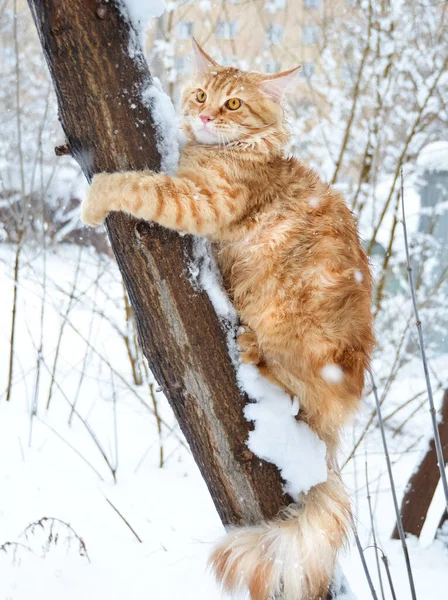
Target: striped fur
(297, 274)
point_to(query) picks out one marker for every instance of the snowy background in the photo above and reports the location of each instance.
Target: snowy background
(99, 494)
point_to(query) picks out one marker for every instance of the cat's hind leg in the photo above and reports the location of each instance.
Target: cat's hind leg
(272, 375)
(250, 353)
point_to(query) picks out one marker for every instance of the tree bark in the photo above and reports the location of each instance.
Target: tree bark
(423, 482)
(108, 128)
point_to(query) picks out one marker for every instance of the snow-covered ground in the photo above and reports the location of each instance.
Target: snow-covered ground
(51, 468)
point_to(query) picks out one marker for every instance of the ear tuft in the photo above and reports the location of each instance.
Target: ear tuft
(276, 86)
(202, 60)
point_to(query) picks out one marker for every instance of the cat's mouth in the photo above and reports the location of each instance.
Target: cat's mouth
(205, 136)
(209, 133)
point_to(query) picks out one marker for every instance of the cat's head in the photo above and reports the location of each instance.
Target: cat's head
(224, 105)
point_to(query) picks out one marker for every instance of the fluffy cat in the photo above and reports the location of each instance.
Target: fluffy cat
(295, 270)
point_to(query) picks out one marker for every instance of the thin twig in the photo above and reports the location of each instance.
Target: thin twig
(61, 329)
(355, 98)
(364, 564)
(72, 447)
(389, 576)
(40, 350)
(123, 519)
(21, 225)
(114, 412)
(83, 421)
(403, 155)
(394, 492)
(16, 545)
(52, 521)
(87, 352)
(386, 566)
(421, 343)
(14, 313)
(392, 375)
(372, 523)
(131, 335)
(158, 422)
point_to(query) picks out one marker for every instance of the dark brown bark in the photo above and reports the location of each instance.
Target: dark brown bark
(96, 81)
(423, 483)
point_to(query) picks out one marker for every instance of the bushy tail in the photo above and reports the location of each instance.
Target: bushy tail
(292, 557)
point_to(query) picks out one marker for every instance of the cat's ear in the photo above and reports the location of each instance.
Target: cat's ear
(202, 60)
(275, 86)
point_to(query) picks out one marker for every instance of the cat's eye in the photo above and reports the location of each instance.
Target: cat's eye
(201, 96)
(233, 103)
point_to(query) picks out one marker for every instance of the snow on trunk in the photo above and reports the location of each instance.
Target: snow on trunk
(139, 14)
(165, 120)
(277, 437)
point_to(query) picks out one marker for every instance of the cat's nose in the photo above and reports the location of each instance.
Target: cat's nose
(206, 119)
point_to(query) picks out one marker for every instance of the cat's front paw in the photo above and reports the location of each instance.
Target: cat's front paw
(97, 205)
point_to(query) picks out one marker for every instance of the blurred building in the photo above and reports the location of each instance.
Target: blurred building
(263, 35)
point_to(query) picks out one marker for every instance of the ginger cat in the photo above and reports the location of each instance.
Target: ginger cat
(295, 270)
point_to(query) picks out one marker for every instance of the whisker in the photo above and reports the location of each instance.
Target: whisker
(258, 127)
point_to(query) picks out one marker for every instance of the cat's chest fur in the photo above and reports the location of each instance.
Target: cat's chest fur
(292, 227)
(258, 262)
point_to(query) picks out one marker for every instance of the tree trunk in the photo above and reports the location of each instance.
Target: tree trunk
(108, 128)
(423, 482)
